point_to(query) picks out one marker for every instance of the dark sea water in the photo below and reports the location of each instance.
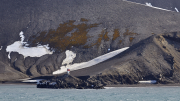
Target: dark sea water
(13, 92)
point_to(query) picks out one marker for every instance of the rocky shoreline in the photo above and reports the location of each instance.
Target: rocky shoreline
(68, 81)
(71, 82)
(82, 84)
(105, 87)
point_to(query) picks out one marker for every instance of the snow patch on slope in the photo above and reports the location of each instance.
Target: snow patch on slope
(22, 37)
(149, 5)
(69, 57)
(92, 62)
(26, 51)
(176, 9)
(17, 46)
(1, 47)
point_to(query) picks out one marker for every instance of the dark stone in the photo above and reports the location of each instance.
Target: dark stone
(68, 81)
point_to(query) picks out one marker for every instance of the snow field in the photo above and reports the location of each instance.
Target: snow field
(92, 62)
(17, 46)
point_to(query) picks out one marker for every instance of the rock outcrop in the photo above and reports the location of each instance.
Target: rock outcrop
(155, 58)
(68, 82)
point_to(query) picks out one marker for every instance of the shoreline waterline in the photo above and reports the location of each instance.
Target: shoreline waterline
(118, 85)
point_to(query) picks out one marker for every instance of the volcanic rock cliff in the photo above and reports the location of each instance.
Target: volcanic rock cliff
(88, 28)
(155, 58)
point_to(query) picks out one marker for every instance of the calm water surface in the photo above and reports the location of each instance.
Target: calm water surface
(31, 93)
